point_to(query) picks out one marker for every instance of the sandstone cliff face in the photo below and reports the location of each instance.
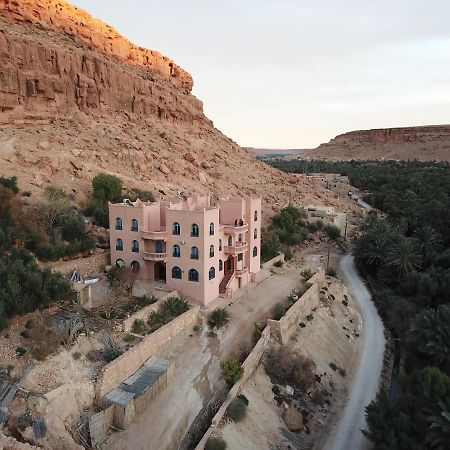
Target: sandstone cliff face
(423, 143)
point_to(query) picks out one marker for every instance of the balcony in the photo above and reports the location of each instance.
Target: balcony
(240, 272)
(231, 229)
(238, 247)
(150, 256)
(155, 235)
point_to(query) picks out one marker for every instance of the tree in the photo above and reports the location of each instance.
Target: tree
(438, 435)
(232, 370)
(430, 333)
(107, 188)
(427, 241)
(219, 317)
(402, 257)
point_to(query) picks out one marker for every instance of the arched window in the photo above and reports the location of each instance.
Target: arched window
(120, 263)
(158, 247)
(193, 275)
(176, 273)
(194, 230)
(212, 273)
(119, 224)
(176, 229)
(211, 251)
(119, 245)
(220, 245)
(255, 218)
(135, 247)
(255, 234)
(211, 229)
(134, 225)
(230, 241)
(220, 265)
(176, 251)
(135, 266)
(255, 251)
(194, 253)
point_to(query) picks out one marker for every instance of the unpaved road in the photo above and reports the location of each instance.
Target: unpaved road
(347, 433)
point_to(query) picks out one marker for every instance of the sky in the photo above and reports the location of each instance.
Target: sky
(295, 73)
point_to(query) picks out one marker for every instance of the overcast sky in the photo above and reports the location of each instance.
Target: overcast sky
(295, 73)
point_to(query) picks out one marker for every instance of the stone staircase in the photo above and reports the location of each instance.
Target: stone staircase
(224, 283)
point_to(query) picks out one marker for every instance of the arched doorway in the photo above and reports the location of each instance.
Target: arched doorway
(229, 265)
(160, 271)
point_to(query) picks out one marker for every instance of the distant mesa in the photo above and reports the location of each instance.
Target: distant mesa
(267, 152)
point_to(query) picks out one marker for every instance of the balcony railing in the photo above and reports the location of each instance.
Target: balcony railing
(151, 256)
(241, 272)
(231, 229)
(155, 235)
(238, 247)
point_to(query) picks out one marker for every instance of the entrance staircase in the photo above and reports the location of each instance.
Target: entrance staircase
(224, 283)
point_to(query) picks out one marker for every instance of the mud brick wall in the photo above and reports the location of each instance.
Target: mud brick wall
(85, 266)
(156, 343)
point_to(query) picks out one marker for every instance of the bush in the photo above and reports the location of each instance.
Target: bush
(342, 372)
(333, 232)
(76, 355)
(331, 272)
(278, 311)
(270, 246)
(345, 302)
(243, 398)
(26, 194)
(237, 410)
(288, 255)
(232, 370)
(278, 263)
(167, 311)
(306, 274)
(138, 326)
(333, 366)
(10, 183)
(215, 443)
(285, 367)
(20, 351)
(218, 318)
(107, 188)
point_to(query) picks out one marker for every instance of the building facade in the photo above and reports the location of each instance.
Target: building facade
(202, 251)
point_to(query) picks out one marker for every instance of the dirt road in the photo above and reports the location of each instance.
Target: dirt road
(347, 433)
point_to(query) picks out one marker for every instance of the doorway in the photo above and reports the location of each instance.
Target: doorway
(160, 271)
(229, 265)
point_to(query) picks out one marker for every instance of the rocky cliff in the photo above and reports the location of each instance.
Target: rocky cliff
(424, 143)
(76, 99)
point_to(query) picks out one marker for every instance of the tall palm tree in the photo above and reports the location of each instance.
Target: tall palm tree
(427, 241)
(402, 257)
(438, 435)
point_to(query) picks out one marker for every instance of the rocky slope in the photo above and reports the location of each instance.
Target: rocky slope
(77, 99)
(425, 143)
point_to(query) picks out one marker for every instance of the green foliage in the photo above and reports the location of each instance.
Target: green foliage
(237, 409)
(215, 443)
(138, 326)
(332, 231)
(278, 311)
(288, 254)
(331, 272)
(438, 435)
(10, 183)
(107, 188)
(218, 318)
(144, 196)
(76, 355)
(270, 246)
(430, 333)
(306, 274)
(167, 311)
(232, 370)
(278, 263)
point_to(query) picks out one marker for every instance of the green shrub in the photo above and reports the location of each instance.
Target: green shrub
(278, 311)
(237, 410)
(306, 274)
(106, 188)
(342, 372)
(215, 443)
(331, 272)
(76, 355)
(276, 389)
(278, 263)
(288, 255)
(332, 231)
(345, 302)
(20, 351)
(138, 326)
(232, 370)
(26, 194)
(243, 398)
(333, 366)
(270, 246)
(218, 318)
(10, 183)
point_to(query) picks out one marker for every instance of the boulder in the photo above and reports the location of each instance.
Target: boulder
(293, 419)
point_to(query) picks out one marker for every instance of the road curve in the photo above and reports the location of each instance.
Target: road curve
(347, 433)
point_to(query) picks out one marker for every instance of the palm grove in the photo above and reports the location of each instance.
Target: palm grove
(406, 257)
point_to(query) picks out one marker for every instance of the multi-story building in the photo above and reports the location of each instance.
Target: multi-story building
(202, 251)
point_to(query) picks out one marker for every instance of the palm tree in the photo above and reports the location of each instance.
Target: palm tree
(430, 331)
(402, 258)
(427, 241)
(438, 435)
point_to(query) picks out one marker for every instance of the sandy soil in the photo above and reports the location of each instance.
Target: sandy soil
(167, 419)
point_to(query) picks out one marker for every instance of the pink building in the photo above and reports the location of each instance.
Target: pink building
(202, 251)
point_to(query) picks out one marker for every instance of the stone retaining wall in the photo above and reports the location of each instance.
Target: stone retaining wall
(156, 343)
(143, 313)
(90, 265)
(271, 262)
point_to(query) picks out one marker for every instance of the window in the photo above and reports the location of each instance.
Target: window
(194, 230)
(118, 223)
(255, 251)
(240, 237)
(120, 263)
(230, 241)
(220, 265)
(135, 266)
(211, 229)
(212, 273)
(255, 218)
(193, 275)
(119, 245)
(220, 245)
(240, 256)
(135, 247)
(211, 251)
(255, 234)
(176, 273)
(158, 247)
(194, 253)
(176, 229)
(134, 225)
(176, 251)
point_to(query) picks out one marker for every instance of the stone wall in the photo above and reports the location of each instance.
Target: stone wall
(99, 425)
(271, 262)
(85, 266)
(143, 313)
(249, 365)
(156, 343)
(284, 328)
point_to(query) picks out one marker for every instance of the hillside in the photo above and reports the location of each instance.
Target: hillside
(76, 99)
(425, 143)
